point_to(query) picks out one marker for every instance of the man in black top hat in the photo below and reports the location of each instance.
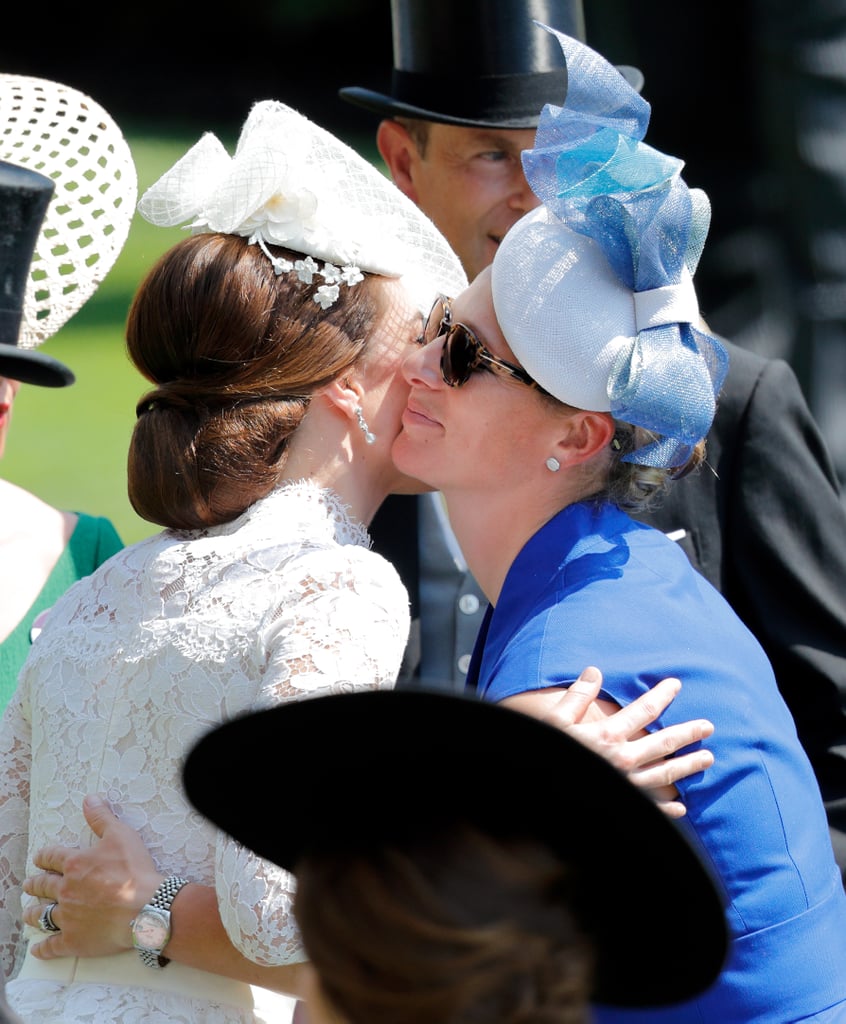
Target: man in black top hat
(763, 521)
(468, 85)
(455, 126)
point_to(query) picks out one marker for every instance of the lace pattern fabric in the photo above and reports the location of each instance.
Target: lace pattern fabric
(137, 661)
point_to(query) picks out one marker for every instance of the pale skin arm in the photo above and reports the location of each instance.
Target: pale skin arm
(100, 889)
(619, 735)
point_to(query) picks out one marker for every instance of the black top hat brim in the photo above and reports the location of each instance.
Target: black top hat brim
(490, 104)
(379, 767)
(30, 367)
(477, 63)
(509, 102)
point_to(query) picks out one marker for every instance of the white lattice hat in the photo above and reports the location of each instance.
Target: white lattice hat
(293, 184)
(69, 138)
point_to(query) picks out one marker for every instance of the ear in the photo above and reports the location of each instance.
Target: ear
(344, 394)
(585, 435)
(399, 152)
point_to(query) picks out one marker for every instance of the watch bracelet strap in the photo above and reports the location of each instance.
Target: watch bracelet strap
(161, 900)
(150, 958)
(163, 896)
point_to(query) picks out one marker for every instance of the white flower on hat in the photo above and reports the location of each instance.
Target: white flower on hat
(286, 214)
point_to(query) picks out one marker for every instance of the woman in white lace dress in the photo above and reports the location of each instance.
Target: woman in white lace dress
(273, 339)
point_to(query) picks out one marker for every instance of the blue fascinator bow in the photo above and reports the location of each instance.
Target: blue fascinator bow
(593, 172)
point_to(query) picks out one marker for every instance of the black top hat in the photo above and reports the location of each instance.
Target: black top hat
(478, 63)
(382, 767)
(24, 197)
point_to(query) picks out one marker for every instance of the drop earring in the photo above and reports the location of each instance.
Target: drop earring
(552, 464)
(368, 437)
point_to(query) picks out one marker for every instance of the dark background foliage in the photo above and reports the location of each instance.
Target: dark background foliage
(165, 65)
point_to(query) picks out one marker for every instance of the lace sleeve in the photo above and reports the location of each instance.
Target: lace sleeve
(344, 629)
(15, 763)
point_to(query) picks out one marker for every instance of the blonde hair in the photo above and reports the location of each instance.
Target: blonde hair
(628, 485)
(633, 487)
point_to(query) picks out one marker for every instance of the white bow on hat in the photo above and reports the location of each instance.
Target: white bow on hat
(291, 183)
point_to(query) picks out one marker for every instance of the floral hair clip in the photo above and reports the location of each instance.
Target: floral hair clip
(292, 184)
(306, 270)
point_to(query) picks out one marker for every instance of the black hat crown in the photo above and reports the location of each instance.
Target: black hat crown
(24, 197)
(475, 62)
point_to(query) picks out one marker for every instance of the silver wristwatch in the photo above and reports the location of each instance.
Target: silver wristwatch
(151, 928)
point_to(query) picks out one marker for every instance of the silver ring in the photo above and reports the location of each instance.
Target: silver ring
(46, 922)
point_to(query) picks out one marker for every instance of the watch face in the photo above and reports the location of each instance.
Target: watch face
(150, 930)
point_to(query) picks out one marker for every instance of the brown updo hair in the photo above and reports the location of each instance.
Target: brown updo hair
(461, 929)
(235, 353)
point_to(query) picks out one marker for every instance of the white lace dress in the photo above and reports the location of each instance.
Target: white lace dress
(166, 639)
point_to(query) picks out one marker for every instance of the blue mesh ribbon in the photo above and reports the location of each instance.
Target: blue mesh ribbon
(592, 170)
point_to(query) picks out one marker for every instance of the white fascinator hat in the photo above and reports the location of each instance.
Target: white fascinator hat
(290, 183)
(70, 175)
(593, 290)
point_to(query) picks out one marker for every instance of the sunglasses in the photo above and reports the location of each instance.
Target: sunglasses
(463, 353)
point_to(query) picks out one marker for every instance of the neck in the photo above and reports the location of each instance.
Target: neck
(492, 530)
(325, 451)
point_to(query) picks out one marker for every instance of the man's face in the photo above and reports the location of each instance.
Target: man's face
(470, 182)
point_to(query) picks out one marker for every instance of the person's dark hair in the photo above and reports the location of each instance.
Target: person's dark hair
(418, 130)
(461, 929)
(235, 353)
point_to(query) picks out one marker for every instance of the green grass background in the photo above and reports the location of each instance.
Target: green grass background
(69, 445)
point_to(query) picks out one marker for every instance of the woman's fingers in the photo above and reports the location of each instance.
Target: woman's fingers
(654, 747)
(645, 710)
(571, 707)
(44, 885)
(669, 772)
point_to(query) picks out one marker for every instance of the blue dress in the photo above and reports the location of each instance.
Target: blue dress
(593, 587)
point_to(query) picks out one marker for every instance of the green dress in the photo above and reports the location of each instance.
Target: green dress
(93, 540)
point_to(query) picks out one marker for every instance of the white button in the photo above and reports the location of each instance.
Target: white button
(468, 603)
(464, 663)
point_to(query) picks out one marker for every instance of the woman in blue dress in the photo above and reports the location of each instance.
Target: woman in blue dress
(602, 382)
